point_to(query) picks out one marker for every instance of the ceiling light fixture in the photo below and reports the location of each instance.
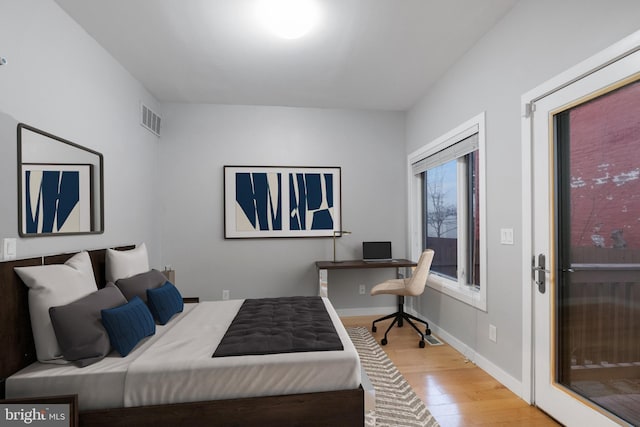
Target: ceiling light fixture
(289, 19)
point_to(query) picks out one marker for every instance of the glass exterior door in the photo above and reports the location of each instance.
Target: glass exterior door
(597, 146)
(585, 206)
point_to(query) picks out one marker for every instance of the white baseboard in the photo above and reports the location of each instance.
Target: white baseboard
(503, 377)
(480, 361)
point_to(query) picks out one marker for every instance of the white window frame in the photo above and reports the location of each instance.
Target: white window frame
(454, 288)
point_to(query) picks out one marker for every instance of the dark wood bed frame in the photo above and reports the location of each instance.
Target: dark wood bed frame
(343, 407)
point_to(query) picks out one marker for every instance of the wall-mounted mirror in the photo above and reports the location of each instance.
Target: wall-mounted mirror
(60, 186)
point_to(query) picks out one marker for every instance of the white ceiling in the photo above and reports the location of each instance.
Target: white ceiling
(372, 54)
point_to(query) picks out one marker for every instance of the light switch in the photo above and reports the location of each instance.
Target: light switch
(9, 249)
(506, 236)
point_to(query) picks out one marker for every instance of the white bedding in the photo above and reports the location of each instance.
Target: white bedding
(98, 386)
(176, 365)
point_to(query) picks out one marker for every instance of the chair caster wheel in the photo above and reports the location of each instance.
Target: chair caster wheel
(427, 331)
(383, 341)
(374, 329)
(421, 344)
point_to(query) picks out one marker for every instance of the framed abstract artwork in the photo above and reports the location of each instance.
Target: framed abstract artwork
(60, 186)
(273, 201)
(55, 198)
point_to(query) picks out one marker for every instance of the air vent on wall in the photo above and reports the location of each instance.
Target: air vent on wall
(150, 120)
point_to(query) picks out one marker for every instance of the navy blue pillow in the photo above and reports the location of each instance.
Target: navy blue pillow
(128, 324)
(164, 302)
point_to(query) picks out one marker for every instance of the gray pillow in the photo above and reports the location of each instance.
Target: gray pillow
(78, 326)
(137, 285)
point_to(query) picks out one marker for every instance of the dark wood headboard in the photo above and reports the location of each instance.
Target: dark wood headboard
(16, 339)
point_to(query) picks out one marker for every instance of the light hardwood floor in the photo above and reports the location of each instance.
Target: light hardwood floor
(457, 392)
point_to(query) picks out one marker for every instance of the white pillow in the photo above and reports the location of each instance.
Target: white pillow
(54, 285)
(124, 264)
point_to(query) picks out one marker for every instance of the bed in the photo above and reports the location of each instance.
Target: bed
(234, 399)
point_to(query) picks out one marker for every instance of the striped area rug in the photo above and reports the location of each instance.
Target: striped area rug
(396, 403)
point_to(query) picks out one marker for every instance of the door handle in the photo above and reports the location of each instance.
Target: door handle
(541, 271)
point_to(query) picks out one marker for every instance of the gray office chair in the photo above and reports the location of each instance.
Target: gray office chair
(412, 286)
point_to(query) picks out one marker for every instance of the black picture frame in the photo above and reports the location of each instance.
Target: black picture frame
(282, 201)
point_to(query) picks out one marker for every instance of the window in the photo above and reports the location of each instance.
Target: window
(447, 211)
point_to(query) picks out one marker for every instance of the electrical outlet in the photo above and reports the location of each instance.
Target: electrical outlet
(493, 333)
(363, 290)
(225, 294)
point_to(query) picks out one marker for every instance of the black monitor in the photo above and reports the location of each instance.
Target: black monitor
(376, 251)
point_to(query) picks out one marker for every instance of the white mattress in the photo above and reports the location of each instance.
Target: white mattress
(176, 365)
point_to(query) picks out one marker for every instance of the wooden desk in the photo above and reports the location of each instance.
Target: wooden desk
(324, 267)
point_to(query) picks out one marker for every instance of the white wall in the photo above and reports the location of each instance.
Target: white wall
(60, 80)
(535, 41)
(198, 140)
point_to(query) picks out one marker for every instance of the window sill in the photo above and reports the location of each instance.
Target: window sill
(466, 294)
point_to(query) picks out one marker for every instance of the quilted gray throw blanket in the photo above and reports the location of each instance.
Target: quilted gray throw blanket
(279, 325)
